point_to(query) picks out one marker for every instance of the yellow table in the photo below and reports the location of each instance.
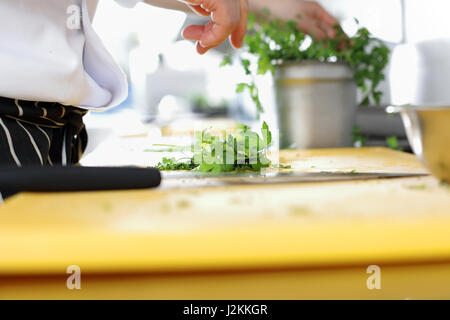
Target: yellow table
(310, 240)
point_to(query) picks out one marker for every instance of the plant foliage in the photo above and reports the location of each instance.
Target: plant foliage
(274, 41)
(244, 150)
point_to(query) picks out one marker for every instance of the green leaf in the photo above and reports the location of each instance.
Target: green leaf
(251, 21)
(358, 139)
(240, 87)
(392, 143)
(226, 61)
(246, 64)
(267, 135)
(172, 164)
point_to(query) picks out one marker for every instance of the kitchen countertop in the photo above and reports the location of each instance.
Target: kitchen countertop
(302, 240)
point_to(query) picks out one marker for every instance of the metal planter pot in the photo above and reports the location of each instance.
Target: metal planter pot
(316, 102)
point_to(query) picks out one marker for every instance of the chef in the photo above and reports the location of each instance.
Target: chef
(54, 68)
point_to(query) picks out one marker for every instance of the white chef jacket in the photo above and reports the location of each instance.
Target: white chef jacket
(42, 59)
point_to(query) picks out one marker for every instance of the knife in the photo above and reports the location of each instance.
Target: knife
(171, 179)
(65, 179)
(59, 178)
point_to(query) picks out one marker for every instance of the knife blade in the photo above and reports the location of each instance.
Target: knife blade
(207, 179)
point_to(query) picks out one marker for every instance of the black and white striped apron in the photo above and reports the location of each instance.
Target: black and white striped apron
(40, 133)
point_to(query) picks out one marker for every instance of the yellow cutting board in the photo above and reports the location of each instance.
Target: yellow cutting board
(303, 229)
(309, 224)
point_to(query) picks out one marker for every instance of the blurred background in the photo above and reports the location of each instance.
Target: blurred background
(171, 87)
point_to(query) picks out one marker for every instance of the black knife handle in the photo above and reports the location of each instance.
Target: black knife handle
(60, 179)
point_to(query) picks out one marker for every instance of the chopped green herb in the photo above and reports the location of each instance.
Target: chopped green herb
(162, 150)
(169, 164)
(241, 151)
(107, 206)
(226, 61)
(299, 211)
(392, 142)
(417, 187)
(183, 204)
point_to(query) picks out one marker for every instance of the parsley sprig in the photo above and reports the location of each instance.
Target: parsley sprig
(171, 164)
(244, 150)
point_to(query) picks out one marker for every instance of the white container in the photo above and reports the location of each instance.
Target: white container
(420, 73)
(316, 104)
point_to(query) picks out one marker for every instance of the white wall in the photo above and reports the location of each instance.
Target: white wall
(382, 17)
(427, 19)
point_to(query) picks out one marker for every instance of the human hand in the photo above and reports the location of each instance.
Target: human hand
(314, 19)
(228, 20)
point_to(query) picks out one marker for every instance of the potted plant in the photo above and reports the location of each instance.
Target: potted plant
(315, 80)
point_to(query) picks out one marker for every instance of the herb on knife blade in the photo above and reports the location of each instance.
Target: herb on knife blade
(419, 187)
(244, 150)
(169, 164)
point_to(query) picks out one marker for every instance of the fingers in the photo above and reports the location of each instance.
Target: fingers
(323, 16)
(200, 49)
(324, 20)
(229, 19)
(195, 32)
(238, 35)
(313, 28)
(214, 34)
(315, 10)
(199, 10)
(192, 2)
